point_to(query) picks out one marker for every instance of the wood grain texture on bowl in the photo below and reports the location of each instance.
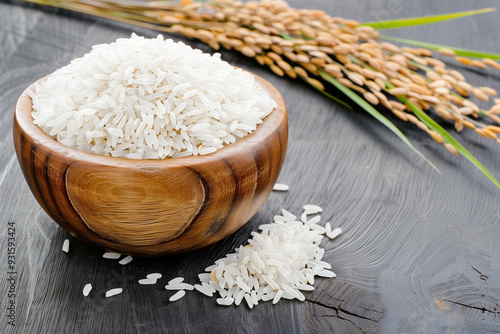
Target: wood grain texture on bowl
(152, 207)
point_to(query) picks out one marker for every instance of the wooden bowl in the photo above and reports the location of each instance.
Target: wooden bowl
(152, 207)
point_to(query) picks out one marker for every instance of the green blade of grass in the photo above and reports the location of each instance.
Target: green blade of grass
(372, 111)
(448, 138)
(458, 51)
(421, 20)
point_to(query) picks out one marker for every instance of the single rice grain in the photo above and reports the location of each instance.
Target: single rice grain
(65, 246)
(281, 187)
(86, 289)
(113, 292)
(126, 260)
(111, 255)
(178, 295)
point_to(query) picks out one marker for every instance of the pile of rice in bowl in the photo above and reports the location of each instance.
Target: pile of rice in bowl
(145, 98)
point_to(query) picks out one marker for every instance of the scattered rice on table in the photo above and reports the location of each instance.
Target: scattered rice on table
(278, 263)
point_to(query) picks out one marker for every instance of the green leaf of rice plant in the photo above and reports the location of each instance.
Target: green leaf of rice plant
(421, 20)
(447, 137)
(345, 104)
(458, 51)
(286, 37)
(372, 111)
(330, 96)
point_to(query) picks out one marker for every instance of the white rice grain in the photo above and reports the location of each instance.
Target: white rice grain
(176, 280)
(225, 301)
(280, 187)
(154, 276)
(288, 215)
(249, 300)
(209, 287)
(278, 296)
(65, 246)
(179, 286)
(335, 233)
(111, 255)
(126, 260)
(328, 229)
(239, 297)
(178, 295)
(99, 105)
(312, 209)
(113, 292)
(86, 289)
(147, 281)
(187, 286)
(204, 290)
(326, 273)
(276, 264)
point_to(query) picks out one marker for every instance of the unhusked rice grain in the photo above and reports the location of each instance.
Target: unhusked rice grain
(149, 99)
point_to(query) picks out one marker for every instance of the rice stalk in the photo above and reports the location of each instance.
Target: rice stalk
(327, 52)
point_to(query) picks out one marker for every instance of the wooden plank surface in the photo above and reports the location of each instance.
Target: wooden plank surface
(419, 252)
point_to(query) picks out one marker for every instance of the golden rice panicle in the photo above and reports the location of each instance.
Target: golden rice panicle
(299, 42)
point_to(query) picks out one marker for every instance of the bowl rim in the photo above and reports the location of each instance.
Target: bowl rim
(271, 124)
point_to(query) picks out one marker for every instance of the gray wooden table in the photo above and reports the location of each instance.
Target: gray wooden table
(420, 252)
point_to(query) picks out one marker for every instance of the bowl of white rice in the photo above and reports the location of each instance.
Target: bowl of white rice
(149, 147)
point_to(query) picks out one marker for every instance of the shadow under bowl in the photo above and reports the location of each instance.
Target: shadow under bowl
(152, 207)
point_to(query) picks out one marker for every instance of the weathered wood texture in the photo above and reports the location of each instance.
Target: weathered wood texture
(152, 207)
(419, 252)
